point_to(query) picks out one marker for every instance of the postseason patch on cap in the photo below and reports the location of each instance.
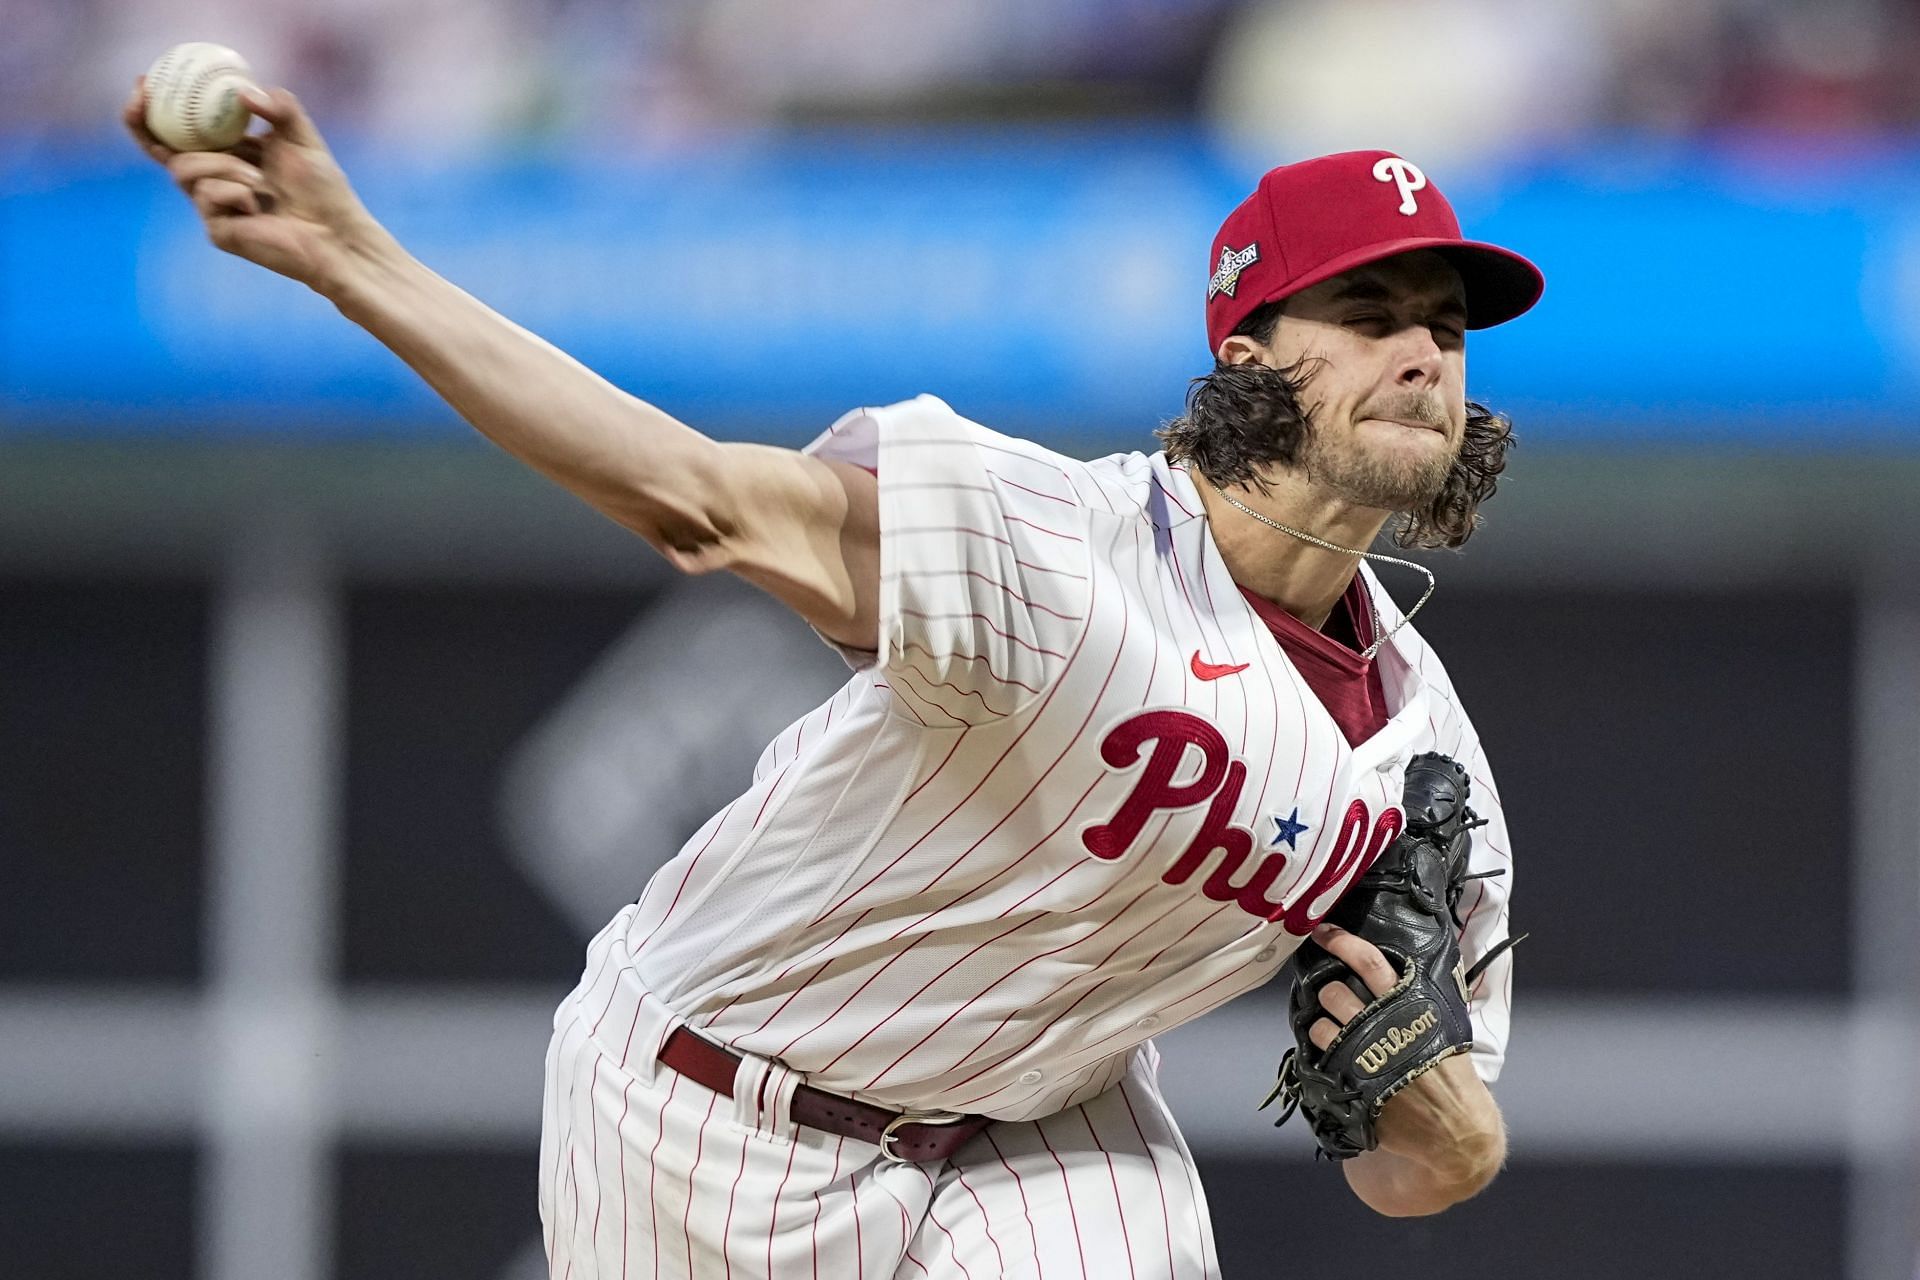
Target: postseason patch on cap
(1226, 276)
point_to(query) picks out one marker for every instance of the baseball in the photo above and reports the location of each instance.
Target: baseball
(193, 97)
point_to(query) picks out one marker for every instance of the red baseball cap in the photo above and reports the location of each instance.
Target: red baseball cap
(1310, 221)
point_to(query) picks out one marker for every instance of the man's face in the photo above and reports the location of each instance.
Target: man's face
(1386, 395)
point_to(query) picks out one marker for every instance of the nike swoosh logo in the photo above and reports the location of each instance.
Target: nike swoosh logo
(1214, 670)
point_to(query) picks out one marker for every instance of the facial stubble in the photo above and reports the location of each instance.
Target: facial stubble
(1381, 479)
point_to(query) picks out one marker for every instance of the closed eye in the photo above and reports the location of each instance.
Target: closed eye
(1449, 323)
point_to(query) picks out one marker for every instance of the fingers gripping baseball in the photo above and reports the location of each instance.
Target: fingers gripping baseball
(133, 114)
(277, 199)
(290, 121)
(219, 185)
(218, 198)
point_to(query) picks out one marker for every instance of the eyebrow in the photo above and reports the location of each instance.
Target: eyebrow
(1365, 290)
(1362, 291)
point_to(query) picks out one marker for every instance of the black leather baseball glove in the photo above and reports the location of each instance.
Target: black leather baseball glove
(1406, 905)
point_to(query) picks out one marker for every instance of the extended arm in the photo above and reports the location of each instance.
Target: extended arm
(804, 529)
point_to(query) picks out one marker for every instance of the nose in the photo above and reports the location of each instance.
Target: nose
(1419, 356)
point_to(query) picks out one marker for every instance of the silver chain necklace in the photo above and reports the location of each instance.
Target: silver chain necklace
(1379, 637)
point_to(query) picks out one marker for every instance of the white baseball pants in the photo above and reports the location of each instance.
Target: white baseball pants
(645, 1173)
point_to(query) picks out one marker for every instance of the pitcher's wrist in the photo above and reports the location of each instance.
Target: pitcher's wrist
(365, 259)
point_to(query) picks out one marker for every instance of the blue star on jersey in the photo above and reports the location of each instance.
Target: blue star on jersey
(1286, 830)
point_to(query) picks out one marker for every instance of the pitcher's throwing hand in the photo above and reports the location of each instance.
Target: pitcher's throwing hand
(277, 199)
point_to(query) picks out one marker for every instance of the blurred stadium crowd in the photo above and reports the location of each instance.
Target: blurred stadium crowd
(1501, 76)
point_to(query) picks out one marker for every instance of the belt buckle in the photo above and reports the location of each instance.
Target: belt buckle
(887, 1135)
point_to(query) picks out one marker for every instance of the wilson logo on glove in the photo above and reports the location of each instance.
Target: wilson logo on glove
(1387, 1047)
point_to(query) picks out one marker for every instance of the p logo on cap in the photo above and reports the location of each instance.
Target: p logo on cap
(1407, 175)
(1311, 221)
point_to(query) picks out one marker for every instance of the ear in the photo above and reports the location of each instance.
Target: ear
(1241, 349)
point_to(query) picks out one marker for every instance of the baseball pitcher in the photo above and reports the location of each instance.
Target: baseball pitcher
(1122, 739)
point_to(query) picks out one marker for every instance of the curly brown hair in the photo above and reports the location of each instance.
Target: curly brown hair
(1243, 417)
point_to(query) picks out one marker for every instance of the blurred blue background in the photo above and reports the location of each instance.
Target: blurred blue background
(327, 734)
(1047, 279)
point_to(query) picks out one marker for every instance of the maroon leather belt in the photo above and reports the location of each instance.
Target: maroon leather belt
(904, 1137)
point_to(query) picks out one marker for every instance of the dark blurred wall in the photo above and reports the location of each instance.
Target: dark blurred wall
(1674, 763)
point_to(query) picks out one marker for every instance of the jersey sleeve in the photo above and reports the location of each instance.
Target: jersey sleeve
(984, 547)
(1483, 912)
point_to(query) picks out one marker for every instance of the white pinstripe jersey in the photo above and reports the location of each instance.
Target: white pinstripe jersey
(1026, 834)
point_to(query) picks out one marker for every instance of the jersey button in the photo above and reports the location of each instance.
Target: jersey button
(1388, 765)
(1030, 1077)
(1264, 953)
(1149, 1022)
